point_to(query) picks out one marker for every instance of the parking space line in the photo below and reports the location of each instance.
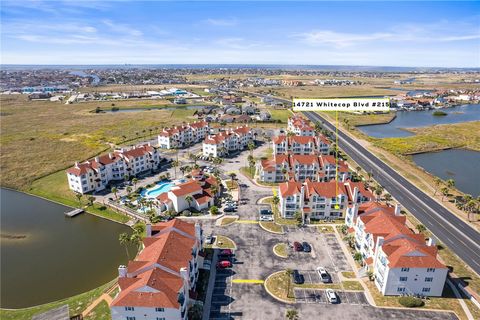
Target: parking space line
(254, 281)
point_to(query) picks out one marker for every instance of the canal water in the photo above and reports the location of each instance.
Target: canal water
(414, 119)
(461, 165)
(46, 256)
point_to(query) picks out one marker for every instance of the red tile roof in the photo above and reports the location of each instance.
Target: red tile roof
(289, 188)
(186, 188)
(408, 252)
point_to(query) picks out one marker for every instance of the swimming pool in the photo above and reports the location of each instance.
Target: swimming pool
(160, 188)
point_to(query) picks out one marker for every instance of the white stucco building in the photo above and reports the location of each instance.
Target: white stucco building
(300, 126)
(95, 174)
(227, 141)
(183, 136)
(158, 284)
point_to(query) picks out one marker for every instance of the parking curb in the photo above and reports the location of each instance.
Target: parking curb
(271, 294)
(273, 249)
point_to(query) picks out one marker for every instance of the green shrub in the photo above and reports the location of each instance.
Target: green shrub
(411, 302)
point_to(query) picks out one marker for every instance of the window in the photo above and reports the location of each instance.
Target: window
(399, 289)
(405, 269)
(162, 318)
(430, 269)
(403, 279)
(428, 279)
(130, 318)
(426, 290)
(129, 308)
(160, 309)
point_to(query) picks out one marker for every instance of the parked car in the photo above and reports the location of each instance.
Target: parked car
(229, 209)
(297, 246)
(323, 274)
(306, 247)
(266, 218)
(210, 239)
(297, 277)
(331, 296)
(224, 264)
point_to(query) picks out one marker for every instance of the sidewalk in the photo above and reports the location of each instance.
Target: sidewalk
(211, 283)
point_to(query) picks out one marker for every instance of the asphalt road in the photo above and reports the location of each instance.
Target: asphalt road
(448, 228)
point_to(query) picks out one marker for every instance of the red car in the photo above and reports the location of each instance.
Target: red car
(226, 252)
(224, 264)
(297, 246)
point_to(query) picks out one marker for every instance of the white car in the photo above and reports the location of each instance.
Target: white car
(266, 218)
(331, 296)
(323, 274)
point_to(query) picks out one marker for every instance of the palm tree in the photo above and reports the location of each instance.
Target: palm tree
(289, 273)
(79, 197)
(129, 189)
(183, 169)
(465, 199)
(136, 239)
(450, 183)
(437, 181)
(125, 240)
(214, 210)
(251, 147)
(291, 314)
(388, 198)
(469, 207)
(126, 177)
(175, 164)
(214, 189)
(232, 176)
(114, 190)
(299, 217)
(378, 192)
(370, 176)
(275, 200)
(251, 163)
(135, 181)
(444, 192)
(189, 200)
(91, 199)
(358, 169)
(420, 228)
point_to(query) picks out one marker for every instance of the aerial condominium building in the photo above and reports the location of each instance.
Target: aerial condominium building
(183, 136)
(227, 141)
(300, 126)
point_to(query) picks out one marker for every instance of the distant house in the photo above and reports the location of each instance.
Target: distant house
(180, 101)
(231, 109)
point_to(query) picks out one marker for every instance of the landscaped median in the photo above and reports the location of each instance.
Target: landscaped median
(279, 285)
(226, 221)
(281, 250)
(222, 242)
(271, 227)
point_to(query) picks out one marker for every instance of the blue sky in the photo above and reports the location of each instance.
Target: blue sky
(440, 34)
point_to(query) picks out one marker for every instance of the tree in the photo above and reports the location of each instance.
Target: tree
(214, 190)
(91, 200)
(126, 177)
(445, 191)
(299, 217)
(251, 164)
(388, 198)
(183, 169)
(189, 200)
(350, 239)
(275, 200)
(79, 197)
(370, 275)
(251, 147)
(232, 176)
(357, 256)
(289, 273)
(291, 314)
(358, 169)
(437, 181)
(125, 240)
(129, 189)
(136, 239)
(285, 173)
(175, 164)
(420, 228)
(135, 181)
(139, 228)
(469, 207)
(370, 176)
(213, 210)
(318, 128)
(450, 183)
(378, 192)
(114, 190)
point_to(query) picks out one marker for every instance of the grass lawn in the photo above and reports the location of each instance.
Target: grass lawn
(231, 185)
(41, 137)
(348, 274)
(355, 119)
(352, 285)
(281, 250)
(55, 187)
(227, 220)
(325, 229)
(280, 285)
(271, 226)
(101, 311)
(76, 305)
(447, 302)
(459, 135)
(280, 114)
(248, 172)
(221, 242)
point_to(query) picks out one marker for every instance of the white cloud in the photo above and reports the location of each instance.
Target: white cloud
(221, 22)
(122, 28)
(338, 39)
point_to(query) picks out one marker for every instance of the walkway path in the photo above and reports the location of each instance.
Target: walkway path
(105, 296)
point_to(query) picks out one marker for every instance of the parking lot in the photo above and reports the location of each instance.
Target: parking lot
(222, 295)
(318, 296)
(312, 277)
(334, 250)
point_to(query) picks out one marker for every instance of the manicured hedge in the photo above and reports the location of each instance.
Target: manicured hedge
(411, 302)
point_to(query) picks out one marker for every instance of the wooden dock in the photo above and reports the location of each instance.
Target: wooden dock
(73, 213)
